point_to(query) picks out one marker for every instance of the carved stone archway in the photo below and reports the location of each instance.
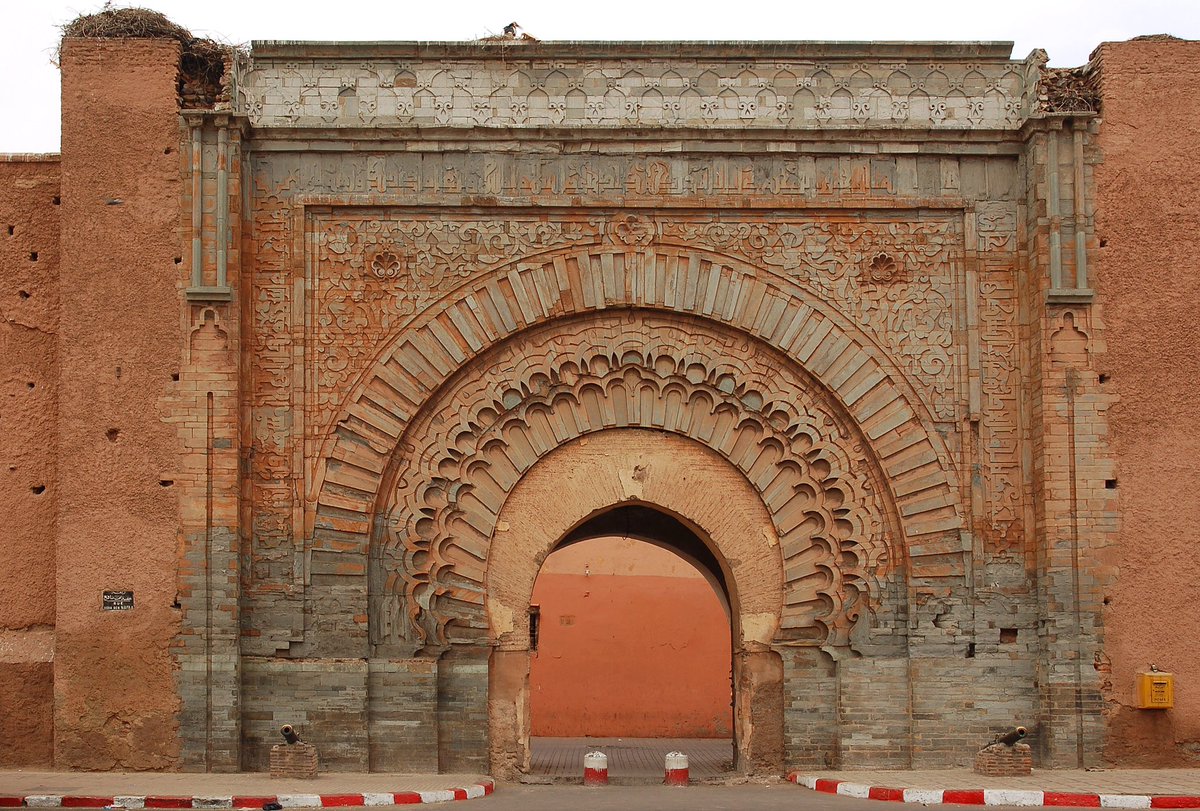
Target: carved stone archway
(684, 478)
(811, 467)
(829, 528)
(857, 376)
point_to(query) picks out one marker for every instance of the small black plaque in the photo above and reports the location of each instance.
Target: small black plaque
(117, 601)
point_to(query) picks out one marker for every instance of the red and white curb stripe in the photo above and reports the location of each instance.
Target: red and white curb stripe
(994, 796)
(247, 801)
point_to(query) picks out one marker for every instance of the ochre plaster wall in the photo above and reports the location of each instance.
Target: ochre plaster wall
(29, 205)
(1148, 226)
(119, 344)
(634, 642)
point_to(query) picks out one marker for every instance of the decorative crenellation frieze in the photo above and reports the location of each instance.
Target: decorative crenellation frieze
(972, 86)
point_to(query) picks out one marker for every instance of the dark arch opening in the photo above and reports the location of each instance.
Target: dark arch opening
(660, 529)
(637, 648)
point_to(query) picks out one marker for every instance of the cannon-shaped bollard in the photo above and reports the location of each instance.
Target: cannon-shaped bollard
(595, 769)
(294, 757)
(676, 769)
(1006, 756)
(1012, 736)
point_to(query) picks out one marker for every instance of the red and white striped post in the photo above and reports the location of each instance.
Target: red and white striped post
(595, 769)
(676, 769)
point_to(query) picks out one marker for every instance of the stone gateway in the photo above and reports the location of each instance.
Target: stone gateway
(324, 368)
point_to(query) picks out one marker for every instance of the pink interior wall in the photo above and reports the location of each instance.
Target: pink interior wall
(634, 642)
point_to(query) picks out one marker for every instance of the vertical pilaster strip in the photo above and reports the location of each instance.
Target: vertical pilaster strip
(1053, 210)
(208, 413)
(1080, 217)
(197, 172)
(222, 236)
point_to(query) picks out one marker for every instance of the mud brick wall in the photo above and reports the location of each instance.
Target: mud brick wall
(29, 218)
(1148, 224)
(119, 347)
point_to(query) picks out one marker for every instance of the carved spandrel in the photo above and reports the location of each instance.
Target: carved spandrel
(377, 269)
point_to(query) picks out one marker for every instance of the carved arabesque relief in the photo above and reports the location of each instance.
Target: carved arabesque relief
(377, 269)
(459, 459)
(893, 278)
(271, 566)
(1001, 379)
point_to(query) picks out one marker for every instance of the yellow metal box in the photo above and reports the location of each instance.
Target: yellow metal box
(1155, 690)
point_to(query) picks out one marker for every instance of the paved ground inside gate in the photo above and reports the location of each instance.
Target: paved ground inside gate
(630, 757)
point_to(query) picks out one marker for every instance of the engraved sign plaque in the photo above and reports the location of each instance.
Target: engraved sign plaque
(117, 600)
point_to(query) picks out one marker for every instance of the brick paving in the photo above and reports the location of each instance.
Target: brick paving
(630, 757)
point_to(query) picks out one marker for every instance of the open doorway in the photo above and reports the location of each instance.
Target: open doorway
(631, 649)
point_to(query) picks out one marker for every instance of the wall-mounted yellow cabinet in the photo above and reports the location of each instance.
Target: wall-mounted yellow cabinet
(1155, 690)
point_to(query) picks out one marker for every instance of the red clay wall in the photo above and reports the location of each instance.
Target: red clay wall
(634, 643)
(1148, 224)
(29, 196)
(120, 336)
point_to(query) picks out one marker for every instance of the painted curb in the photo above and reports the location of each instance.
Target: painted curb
(994, 796)
(248, 801)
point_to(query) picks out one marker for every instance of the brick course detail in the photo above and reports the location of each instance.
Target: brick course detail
(999, 760)
(294, 760)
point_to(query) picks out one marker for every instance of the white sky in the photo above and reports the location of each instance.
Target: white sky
(1067, 29)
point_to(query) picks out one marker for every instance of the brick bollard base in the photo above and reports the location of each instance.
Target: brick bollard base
(999, 760)
(294, 760)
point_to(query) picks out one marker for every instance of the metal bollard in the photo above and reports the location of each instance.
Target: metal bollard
(676, 769)
(595, 769)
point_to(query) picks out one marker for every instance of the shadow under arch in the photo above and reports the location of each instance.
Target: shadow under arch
(565, 496)
(656, 527)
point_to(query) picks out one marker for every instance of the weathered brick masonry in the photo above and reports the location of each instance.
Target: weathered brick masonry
(341, 360)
